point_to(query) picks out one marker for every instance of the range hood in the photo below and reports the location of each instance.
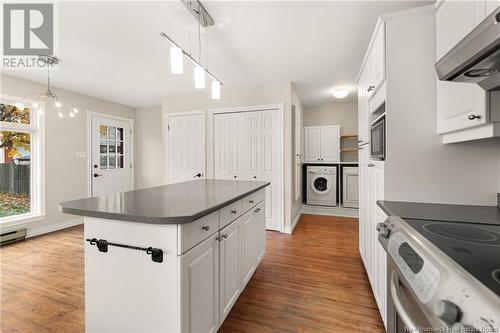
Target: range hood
(475, 59)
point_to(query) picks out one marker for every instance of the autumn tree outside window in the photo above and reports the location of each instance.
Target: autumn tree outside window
(20, 161)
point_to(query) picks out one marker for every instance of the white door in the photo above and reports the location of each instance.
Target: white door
(230, 267)
(200, 287)
(111, 156)
(330, 143)
(238, 154)
(221, 146)
(312, 143)
(186, 146)
(253, 145)
(272, 167)
(248, 249)
(456, 101)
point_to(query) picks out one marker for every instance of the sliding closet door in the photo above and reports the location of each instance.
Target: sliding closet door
(237, 154)
(252, 141)
(271, 167)
(222, 167)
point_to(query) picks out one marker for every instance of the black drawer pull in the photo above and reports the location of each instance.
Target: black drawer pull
(102, 246)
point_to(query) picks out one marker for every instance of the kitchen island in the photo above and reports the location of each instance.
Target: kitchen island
(172, 258)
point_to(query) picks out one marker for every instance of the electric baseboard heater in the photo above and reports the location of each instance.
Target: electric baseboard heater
(12, 236)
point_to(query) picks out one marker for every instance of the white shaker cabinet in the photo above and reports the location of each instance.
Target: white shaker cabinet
(231, 238)
(459, 105)
(322, 143)
(375, 62)
(200, 287)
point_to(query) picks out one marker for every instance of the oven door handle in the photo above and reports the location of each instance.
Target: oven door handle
(396, 298)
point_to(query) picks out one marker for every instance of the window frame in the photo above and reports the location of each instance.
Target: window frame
(37, 160)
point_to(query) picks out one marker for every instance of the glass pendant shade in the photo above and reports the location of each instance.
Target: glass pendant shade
(199, 77)
(215, 90)
(176, 60)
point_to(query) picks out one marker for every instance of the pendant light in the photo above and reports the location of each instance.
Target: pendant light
(199, 77)
(177, 53)
(215, 90)
(176, 60)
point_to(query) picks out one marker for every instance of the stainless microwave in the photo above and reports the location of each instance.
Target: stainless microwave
(377, 140)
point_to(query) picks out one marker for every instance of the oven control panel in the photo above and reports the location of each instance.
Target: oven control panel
(422, 276)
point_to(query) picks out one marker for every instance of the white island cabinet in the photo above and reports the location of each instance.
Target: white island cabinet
(204, 266)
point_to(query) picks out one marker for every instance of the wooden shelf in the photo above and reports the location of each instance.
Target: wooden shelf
(348, 136)
(348, 150)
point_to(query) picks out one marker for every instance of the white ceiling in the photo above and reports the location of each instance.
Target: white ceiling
(113, 50)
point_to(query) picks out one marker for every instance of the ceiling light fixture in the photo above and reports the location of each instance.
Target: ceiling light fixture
(48, 96)
(176, 52)
(340, 93)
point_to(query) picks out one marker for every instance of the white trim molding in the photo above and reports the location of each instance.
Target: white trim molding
(330, 211)
(32, 232)
(289, 229)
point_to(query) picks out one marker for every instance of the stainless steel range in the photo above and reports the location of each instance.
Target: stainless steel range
(442, 276)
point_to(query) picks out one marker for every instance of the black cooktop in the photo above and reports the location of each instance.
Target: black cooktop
(475, 247)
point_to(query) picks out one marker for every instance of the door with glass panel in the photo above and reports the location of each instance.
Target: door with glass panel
(111, 156)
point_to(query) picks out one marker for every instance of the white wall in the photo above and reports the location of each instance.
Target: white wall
(343, 114)
(296, 205)
(418, 166)
(149, 149)
(65, 174)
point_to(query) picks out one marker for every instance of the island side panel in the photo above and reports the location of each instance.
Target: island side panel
(125, 291)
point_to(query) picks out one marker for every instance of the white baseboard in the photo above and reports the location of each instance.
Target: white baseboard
(53, 227)
(330, 211)
(289, 229)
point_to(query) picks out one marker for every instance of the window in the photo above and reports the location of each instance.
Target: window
(20, 160)
(110, 147)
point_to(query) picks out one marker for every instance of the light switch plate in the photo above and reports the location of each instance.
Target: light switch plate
(81, 154)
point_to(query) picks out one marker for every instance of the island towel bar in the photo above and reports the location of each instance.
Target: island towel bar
(102, 246)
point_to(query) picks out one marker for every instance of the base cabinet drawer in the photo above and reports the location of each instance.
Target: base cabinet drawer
(252, 200)
(230, 213)
(191, 234)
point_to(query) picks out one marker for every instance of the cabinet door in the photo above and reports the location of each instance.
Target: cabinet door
(376, 62)
(238, 154)
(247, 223)
(253, 145)
(230, 266)
(457, 101)
(312, 143)
(200, 287)
(221, 146)
(260, 231)
(362, 111)
(350, 187)
(330, 143)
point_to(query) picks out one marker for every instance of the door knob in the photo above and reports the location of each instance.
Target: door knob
(97, 175)
(198, 175)
(474, 116)
(371, 165)
(205, 227)
(225, 236)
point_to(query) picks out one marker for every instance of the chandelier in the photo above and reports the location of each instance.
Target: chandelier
(48, 96)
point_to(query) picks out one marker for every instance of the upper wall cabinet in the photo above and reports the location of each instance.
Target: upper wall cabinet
(460, 106)
(322, 143)
(375, 62)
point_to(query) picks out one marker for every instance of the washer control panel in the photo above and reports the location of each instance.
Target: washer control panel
(422, 276)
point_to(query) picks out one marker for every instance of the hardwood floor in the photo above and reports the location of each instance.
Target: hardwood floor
(311, 281)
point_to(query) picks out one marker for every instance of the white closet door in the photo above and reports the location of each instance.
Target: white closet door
(253, 145)
(271, 168)
(330, 143)
(221, 146)
(238, 155)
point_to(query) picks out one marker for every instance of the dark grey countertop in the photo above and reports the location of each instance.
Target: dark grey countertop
(441, 212)
(169, 204)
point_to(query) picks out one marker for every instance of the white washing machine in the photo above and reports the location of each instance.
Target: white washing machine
(321, 185)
